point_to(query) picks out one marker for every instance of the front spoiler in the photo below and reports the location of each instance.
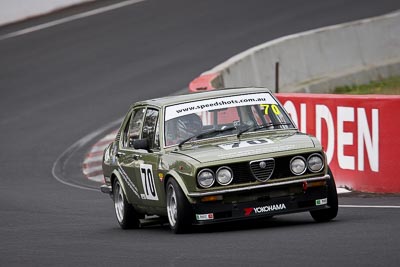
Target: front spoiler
(216, 212)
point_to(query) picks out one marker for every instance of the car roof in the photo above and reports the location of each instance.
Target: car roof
(170, 100)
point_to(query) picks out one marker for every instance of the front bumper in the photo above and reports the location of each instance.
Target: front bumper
(266, 204)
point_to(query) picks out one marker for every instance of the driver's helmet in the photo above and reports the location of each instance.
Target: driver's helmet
(188, 126)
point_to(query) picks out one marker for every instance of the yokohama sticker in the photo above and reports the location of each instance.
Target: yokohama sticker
(264, 209)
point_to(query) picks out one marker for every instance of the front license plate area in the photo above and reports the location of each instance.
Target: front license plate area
(263, 207)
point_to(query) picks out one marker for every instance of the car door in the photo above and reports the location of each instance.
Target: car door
(151, 187)
(127, 156)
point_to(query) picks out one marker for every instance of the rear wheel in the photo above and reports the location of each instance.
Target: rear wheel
(125, 213)
(178, 209)
(330, 213)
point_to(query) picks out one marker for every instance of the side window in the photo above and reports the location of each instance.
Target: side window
(150, 128)
(135, 124)
(157, 137)
(124, 132)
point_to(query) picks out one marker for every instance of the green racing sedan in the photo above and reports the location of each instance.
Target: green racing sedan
(217, 156)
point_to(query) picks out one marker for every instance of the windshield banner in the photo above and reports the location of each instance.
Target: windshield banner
(175, 111)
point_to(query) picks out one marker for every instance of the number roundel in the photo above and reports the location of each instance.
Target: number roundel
(148, 183)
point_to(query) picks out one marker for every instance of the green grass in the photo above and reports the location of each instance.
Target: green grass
(389, 86)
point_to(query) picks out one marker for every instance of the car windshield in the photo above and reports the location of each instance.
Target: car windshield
(223, 116)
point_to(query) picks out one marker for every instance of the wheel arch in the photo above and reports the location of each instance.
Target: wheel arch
(115, 175)
(175, 175)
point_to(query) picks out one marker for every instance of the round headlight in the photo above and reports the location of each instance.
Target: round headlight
(315, 163)
(206, 178)
(224, 175)
(298, 165)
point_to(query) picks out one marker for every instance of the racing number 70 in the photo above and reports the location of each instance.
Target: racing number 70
(149, 187)
(274, 108)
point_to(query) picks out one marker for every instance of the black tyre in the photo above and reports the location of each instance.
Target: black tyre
(330, 213)
(125, 213)
(179, 211)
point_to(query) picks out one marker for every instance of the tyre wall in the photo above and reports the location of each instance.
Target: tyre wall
(359, 133)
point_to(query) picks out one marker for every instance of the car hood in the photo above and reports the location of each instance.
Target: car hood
(247, 147)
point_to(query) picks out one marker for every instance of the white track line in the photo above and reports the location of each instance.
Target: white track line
(70, 18)
(78, 144)
(369, 206)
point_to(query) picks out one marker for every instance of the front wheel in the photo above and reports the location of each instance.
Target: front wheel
(125, 213)
(326, 215)
(178, 208)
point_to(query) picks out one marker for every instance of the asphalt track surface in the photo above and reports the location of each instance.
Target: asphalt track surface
(62, 87)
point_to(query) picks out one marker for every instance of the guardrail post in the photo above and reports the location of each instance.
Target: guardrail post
(277, 77)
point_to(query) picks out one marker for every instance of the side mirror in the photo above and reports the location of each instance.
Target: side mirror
(141, 144)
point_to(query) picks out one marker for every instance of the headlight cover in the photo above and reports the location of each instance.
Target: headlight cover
(206, 178)
(315, 163)
(298, 165)
(224, 175)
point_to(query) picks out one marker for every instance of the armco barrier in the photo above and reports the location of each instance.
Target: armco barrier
(358, 133)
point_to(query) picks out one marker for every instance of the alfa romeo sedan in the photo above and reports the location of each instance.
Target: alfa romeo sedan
(217, 156)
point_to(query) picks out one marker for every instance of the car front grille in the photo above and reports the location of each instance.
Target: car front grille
(249, 172)
(262, 169)
(241, 173)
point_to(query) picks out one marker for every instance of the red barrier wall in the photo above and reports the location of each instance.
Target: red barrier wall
(358, 133)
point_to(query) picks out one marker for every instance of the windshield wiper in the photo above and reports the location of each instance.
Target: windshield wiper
(206, 133)
(259, 127)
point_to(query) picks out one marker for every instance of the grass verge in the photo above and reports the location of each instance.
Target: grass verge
(389, 86)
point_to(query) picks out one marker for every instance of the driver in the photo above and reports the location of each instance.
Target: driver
(188, 126)
(185, 127)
